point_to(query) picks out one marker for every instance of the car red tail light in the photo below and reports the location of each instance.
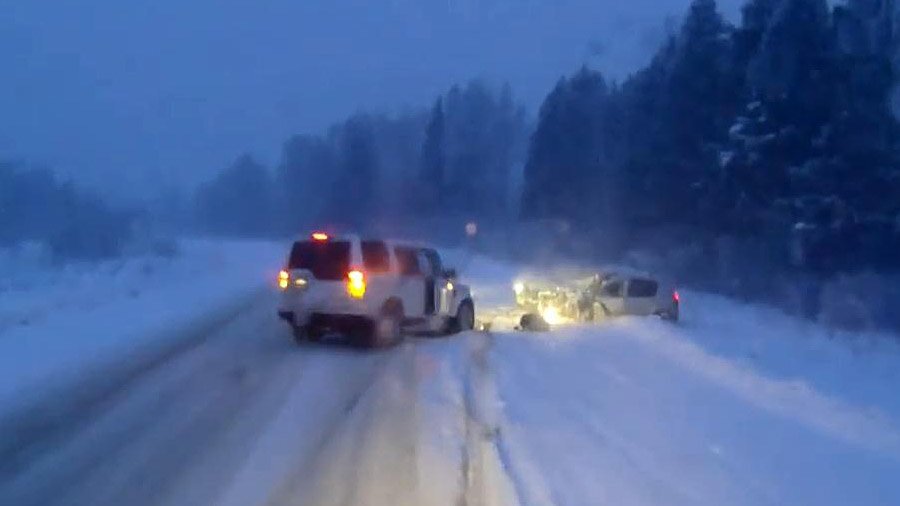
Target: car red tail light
(356, 284)
(676, 297)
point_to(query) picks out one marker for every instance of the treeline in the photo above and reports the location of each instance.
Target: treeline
(771, 142)
(460, 158)
(70, 222)
(749, 158)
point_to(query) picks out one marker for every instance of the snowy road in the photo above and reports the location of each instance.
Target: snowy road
(629, 413)
(245, 417)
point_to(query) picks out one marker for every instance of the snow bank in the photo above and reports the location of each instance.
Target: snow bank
(63, 327)
(611, 416)
(862, 368)
(737, 404)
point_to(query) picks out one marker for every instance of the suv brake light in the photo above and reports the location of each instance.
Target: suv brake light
(356, 284)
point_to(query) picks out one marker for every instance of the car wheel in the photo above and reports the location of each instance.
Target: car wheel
(533, 322)
(670, 316)
(464, 320)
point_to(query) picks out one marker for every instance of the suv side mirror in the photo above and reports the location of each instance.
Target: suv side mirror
(450, 273)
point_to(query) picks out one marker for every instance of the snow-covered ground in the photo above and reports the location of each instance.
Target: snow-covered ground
(736, 405)
(61, 324)
(633, 414)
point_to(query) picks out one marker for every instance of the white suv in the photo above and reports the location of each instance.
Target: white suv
(371, 290)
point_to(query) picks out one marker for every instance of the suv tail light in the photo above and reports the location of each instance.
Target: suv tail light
(356, 284)
(284, 279)
(675, 297)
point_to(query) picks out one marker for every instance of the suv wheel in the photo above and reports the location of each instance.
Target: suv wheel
(387, 330)
(384, 332)
(306, 333)
(300, 333)
(465, 318)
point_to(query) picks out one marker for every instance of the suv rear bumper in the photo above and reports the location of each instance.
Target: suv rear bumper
(287, 316)
(340, 323)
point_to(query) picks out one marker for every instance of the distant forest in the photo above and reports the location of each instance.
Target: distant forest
(457, 159)
(777, 133)
(774, 137)
(71, 222)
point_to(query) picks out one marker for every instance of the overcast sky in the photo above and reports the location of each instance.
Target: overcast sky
(134, 94)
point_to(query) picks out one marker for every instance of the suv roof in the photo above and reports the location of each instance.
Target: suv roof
(351, 237)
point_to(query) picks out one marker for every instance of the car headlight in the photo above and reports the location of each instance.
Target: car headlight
(551, 315)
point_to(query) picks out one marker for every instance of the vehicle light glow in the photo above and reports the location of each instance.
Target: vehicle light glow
(284, 279)
(300, 282)
(676, 297)
(356, 284)
(320, 236)
(450, 286)
(519, 287)
(551, 316)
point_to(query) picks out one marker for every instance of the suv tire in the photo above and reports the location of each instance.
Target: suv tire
(464, 319)
(387, 329)
(300, 333)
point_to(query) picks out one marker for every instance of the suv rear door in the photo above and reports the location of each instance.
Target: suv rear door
(412, 281)
(436, 284)
(377, 265)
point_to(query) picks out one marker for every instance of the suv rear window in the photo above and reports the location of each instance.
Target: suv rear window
(408, 260)
(642, 288)
(434, 261)
(326, 260)
(376, 258)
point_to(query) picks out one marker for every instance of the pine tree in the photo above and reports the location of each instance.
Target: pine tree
(813, 147)
(794, 68)
(793, 84)
(306, 170)
(238, 201)
(482, 138)
(700, 94)
(434, 161)
(755, 18)
(676, 113)
(354, 195)
(562, 175)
